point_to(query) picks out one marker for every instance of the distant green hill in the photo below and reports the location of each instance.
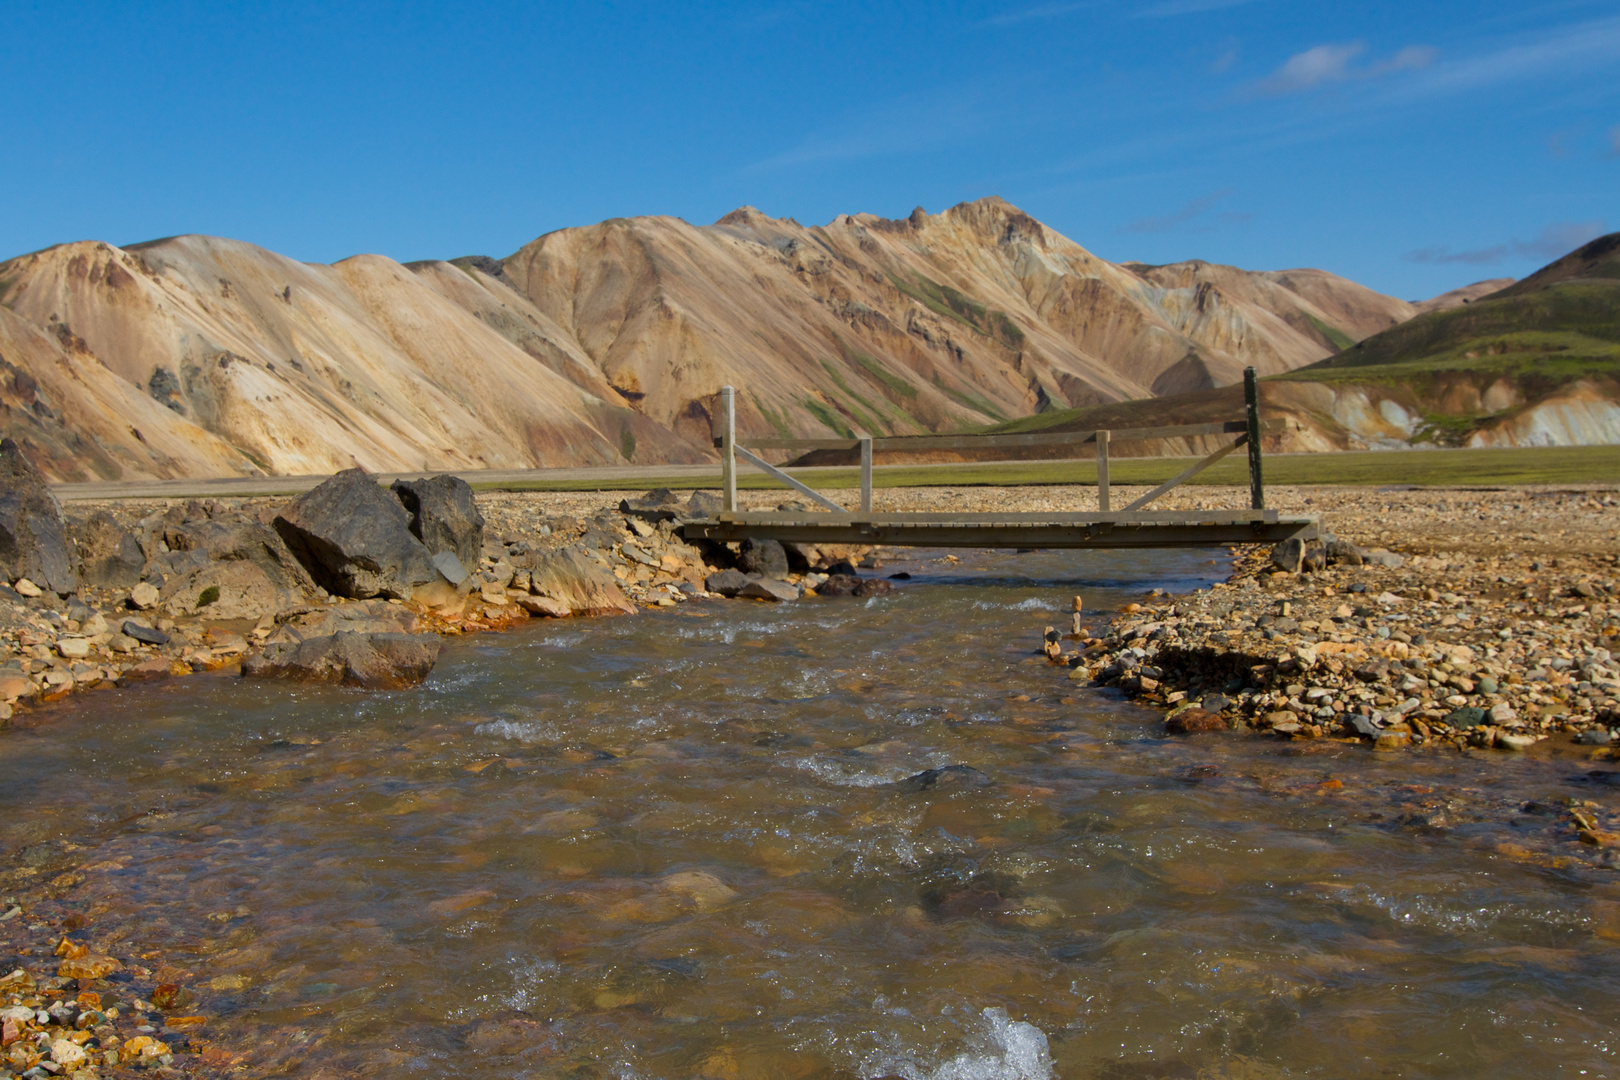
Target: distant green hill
(1559, 323)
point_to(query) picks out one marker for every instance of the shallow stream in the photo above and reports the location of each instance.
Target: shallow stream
(668, 846)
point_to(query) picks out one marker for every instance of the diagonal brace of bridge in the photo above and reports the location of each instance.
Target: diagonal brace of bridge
(1133, 527)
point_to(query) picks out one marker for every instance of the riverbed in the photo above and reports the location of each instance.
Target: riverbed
(706, 842)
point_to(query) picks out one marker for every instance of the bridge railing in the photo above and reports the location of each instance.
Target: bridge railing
(1248, 430)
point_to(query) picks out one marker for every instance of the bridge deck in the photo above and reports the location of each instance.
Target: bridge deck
(1132, 529)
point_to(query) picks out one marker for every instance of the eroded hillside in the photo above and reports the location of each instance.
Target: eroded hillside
(197, 356)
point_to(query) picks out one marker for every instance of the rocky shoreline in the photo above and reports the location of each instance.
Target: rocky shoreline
(1479, 649)
(350, 583)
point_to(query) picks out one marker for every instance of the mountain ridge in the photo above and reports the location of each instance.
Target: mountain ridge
(606, 343)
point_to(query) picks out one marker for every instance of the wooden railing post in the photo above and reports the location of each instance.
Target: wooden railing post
(1102, 472)
(728, 446)
(866, 474)
(1251, 398)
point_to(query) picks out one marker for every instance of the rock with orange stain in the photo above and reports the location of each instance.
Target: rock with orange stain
(451, 905)
(88, 967)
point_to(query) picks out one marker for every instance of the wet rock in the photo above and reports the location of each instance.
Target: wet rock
(575, 581)
(68, 1054)
(444, 516)
(109, 555)
(1193, 721)
(765, 557)
(726, 582)
(767, 589)
(507, 1032)
(1465, 717)
(949, 778)
(373, 661)
(1364, 726)
(33, 534)
(145, 671)
(703, 889)
(364, 617)
(850, 585)
(355, 539)
(543, 606)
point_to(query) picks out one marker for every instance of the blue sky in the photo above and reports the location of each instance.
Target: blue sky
(1411, 146)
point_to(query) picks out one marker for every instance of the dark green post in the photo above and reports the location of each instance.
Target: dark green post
(1251, 398)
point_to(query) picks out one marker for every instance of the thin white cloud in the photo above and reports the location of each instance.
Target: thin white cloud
(908, 125)
(1034, 14)
(1193, 210)
(1332, 63)
(1171, 8)
(1310, 69)
(1556, 240)
(1567, 50)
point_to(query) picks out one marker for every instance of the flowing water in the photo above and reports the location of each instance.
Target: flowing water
(669, 846)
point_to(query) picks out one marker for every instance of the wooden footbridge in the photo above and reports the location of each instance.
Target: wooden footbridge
(1132, 526)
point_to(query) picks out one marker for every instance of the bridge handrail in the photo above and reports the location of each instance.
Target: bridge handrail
(1248, 431)
(1056, 438)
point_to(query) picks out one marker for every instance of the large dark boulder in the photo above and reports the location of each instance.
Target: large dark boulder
(373, 661)
(444, 516)
(764, 557)
(241, 541)
(726, 582)
(109, 554)
(355, 539)
(33, 536)
(849, 585)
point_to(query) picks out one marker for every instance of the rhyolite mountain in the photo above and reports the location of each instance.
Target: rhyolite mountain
(199, 356)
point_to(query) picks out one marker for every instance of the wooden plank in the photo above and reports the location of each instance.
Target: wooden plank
(1251, 400)
(804, 444)
(1187, 474)
(1023, 536)
(728, 446)
(1103, 438)
(992, 442)
(888, 520)
(765, 466)
(866, 474)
